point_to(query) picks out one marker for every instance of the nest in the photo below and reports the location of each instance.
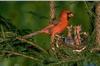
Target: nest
(75, 39)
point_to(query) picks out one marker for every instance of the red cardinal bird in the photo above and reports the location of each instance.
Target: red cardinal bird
(54, 29)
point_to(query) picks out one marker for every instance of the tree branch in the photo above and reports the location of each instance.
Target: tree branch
(29, 42)
(19, 54)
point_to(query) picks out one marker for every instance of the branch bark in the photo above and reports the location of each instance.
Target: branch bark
(97, 24)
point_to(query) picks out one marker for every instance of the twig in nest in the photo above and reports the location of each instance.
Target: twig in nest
(80, 50)
(29, 42)
(95, 50)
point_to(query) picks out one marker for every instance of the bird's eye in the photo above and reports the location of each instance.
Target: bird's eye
(69, 13)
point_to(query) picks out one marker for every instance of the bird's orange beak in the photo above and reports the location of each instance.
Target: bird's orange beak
(71, 15)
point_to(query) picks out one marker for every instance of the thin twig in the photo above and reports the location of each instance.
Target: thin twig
(4, 36)
(66, 61)
(89, 10)
(19, 54)
(95, 49)
(2, 31)
(29, 42)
